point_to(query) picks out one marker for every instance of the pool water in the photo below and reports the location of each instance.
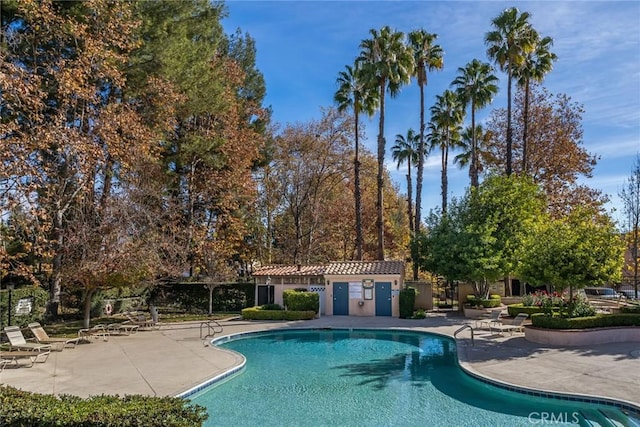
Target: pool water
(375, 378)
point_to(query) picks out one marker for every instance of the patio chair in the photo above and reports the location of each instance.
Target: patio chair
(57, 344)
(141, 321)
(122, 328)
(97, 331)
(8, 357)
(494, 317)
(515, 326)
(18, 342)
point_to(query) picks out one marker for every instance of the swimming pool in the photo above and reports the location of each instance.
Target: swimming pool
(375, 378)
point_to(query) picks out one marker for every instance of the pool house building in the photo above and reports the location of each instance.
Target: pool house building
(346, 288)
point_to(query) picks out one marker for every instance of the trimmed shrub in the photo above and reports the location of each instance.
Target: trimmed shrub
(597, 321)
(494, 296)
(407, 301)
(271, 307)
(301, 300)
(489, 303)
(21, 408)
(630, 309)
(257, 313)
(515, 309)
(420, 314)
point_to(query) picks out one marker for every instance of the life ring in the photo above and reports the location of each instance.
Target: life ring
(108, 309)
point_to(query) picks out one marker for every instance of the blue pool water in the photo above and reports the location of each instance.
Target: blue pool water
(375, 378)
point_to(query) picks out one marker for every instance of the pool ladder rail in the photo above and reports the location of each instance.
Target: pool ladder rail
(462, 328)
(209, 329)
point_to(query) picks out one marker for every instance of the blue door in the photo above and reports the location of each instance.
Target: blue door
(340, 299)
(383, 298)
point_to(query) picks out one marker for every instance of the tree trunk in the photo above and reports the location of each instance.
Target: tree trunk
(358, 196)
(380, 179)
(419, 179)
(86, 321)
(525, 128)
(509, 130)
(55, 281)
(474, 147)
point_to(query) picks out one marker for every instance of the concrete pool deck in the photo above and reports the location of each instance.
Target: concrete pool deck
(174, 359)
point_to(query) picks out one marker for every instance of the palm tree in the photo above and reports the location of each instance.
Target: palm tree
(406, 150)
(476, 85)
(447, 115)
(508, 44)
(355, 94)
(470, 138)
(427, 56)
(536, 65)
(387, 62)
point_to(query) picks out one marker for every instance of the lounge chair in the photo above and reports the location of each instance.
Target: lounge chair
(97, 331)
(515, 326)
(42, 337)
(17, 341)
(7, 357)
(494, 317)
(122, 328)
(141, 321)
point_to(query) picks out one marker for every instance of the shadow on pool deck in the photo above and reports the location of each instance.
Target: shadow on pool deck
(174, 359)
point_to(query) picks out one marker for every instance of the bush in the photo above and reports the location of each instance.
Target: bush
(494, 296)
(270, 307)
(597, 321)
(257, 313)
(36, 295)
(420, 314)
(301, 300)
(515, 309)
(489, 303)
(407, 301)
(21, 408)
(630, 309)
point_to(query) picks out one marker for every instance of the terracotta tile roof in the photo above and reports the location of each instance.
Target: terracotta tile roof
(364, 267)
(290, 270)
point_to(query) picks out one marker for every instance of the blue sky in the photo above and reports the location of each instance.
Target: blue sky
(302, 45)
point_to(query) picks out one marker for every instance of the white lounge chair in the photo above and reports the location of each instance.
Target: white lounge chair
(487, 321)
(18, 342)
(97, 331)
(43, 338)
(515, 326)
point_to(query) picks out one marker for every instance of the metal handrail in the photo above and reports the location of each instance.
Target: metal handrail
(212, 328)
(462, 328)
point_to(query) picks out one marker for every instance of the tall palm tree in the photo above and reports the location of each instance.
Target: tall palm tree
(427, 56)
(354, 93)
(406, 150)
(508, 44)
(469, 138)
(537, 64)
(476, 86)
(447, 115)
(387, 62)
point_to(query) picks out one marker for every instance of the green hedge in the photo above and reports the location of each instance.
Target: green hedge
(515, 309)
(257, 313)
(492, 302)
(301, 300)
(630, 309)
(407, 302)
(20, 408)
(598, 321)
(38, 297)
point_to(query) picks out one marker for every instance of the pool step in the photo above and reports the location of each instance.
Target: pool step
(607, 417)
(594, 418)
(618, 418)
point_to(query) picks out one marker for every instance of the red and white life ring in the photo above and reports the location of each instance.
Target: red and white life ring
(108, 309)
